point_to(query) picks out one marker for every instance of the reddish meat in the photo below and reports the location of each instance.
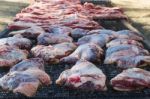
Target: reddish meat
(83, 75)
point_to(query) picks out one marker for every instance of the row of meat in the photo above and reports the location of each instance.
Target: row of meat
(87, 51)
(67, 13)
(63, 31)
(90, 45)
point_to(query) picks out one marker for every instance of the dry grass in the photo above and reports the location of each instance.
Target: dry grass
(8, 9)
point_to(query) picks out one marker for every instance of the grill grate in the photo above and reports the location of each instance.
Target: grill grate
(54, 91)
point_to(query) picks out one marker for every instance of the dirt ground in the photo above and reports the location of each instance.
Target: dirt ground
(137, 10)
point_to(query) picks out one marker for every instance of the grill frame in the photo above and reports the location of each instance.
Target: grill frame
(54, 91)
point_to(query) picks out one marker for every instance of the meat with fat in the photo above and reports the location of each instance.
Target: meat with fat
(52, 54)
(99, 39)
(10, 55)
(31, 32)
(127, 56)
(131, 79)
(83, 75)
(16, 41)
(32, 63)
(117, 42)
(52, 38)
(127, 34)
(25, 77)
(90, 52)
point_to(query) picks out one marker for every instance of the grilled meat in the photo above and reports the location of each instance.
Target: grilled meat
(52, 54)
(83, 75)
(16, 41)
(10, 55)
(118, 42)
(131, 79)
(90, 52)
(50, 38)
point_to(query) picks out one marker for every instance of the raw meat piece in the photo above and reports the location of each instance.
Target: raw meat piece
(32, 63)
(78, 21)
(16, 41)
(99, 12)
(83, 75)
(10, 55)
(90, 52)
(18, 82)
(118, 42)
(78, 33)
(60, 29)
(25, 82)
(52, 54)
(128, 57)
(19, 25)
(134, 48)
(25, 77)
(99, 39)
(102, 31)
(130, 61)
(31, 32)
(131, 79)
(127, 34)
(50, 38)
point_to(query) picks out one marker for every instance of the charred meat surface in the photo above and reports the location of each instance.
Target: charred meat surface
(83, 75)
(131, 79)
(52, 54)
(50, 38)
(10, 55)
(90, 52)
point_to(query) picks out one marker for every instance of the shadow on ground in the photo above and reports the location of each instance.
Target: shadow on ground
(142, 28)
(8, 10)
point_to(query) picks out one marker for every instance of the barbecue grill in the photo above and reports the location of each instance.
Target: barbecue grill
(54, 91)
